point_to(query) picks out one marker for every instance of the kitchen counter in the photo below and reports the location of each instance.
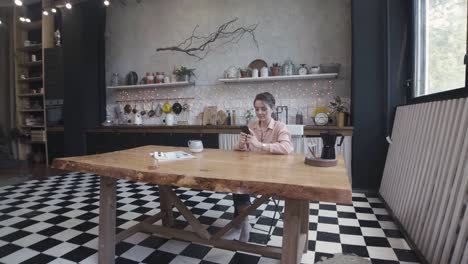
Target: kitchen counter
(308, 130)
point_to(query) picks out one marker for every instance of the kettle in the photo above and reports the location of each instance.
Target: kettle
(329, 141)
(170, 119)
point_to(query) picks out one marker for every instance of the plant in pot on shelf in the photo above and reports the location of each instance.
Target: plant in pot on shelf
(248, 115)
(183, 74)
(339, 108)
(275, 69)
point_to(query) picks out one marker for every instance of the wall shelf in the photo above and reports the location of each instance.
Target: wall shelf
(31, 110)
(282, 78)
(31, 64)
(33, 126)
(154, 85)
(31, 95)
(30, 26)
(33, 79)
(31, 48)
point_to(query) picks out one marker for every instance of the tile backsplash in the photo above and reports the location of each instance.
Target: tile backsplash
(299, 96)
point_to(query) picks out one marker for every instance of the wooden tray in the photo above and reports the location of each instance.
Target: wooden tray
(258, 64)
(320, 162)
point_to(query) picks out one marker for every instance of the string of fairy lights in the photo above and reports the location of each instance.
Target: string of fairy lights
(49, 10)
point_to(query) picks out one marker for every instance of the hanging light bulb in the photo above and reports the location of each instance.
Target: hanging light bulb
(106, 2)
(18, 2)
(27, 20)
(22, 19)
(45, 13)
(68, 6)
(53, 10)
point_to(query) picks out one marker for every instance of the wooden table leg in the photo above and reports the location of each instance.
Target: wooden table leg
(305, 224)
(166, 205)
(293, 238)
(107, 204)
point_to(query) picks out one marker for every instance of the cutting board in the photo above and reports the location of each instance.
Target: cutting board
(210, 115)
(221, 117)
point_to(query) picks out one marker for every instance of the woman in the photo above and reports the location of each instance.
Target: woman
(268, 136)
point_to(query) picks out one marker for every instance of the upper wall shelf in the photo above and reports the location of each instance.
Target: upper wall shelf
(282, 78)
(31, 26)
(154, 85)
(35, 47)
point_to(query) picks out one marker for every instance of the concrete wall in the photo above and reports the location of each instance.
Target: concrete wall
(305, 31)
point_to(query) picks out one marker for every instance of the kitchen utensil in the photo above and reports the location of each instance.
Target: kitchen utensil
(143, 111)
(132, 78)
(151, 113)
(329, 141)
(134, 109)
(177, 108)
(137, 120)
(128, 108)
(257, 64)
(185, 107)
(209, 115)
(170, 119)
(221, 117)
(314, 70)
(231, 73)
(167, 108)
(159, 110)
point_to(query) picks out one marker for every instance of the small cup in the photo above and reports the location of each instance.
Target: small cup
(33, 57)
(195, 146)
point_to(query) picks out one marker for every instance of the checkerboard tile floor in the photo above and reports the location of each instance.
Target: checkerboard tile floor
(56, 221)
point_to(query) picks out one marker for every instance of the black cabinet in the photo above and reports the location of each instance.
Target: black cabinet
(55, 146)
(101, 142)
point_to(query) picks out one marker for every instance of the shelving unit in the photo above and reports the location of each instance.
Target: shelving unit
(154, 85)
(282, 78)
(29, 103)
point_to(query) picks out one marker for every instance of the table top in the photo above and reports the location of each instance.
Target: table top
(218, 170)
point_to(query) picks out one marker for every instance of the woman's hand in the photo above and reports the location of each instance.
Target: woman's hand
(242, 140)
(252, 140)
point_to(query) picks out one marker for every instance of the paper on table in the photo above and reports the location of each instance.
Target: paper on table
(172, 155)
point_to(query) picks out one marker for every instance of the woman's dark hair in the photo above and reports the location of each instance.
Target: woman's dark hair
(266, 98)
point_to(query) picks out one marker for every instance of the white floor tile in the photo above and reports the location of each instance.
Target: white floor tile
(137, 253)
(219, 256)
(372, 232)
(19, 256)
(328, 247)
(352, 240)
(174, 246)
(381, 253)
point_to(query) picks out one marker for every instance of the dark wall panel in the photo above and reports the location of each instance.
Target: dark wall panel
(83, 54)
(380, 68)
(368, 93)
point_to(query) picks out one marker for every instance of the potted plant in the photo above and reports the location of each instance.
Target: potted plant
(183, 74)
(275, 69)
(248, 115)
(338, 107)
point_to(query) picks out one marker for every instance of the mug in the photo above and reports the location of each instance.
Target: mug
(195, 145)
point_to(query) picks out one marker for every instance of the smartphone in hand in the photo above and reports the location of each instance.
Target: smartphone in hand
(245, 129)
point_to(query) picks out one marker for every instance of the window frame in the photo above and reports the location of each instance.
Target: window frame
(415, 61)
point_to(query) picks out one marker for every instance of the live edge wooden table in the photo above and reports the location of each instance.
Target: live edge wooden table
(266, 175)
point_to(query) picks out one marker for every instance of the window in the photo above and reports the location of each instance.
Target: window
(440, 44)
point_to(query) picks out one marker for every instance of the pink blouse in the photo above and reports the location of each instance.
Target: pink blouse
(276, 136)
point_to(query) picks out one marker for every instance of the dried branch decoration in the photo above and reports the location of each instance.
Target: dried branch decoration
(199, 46)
